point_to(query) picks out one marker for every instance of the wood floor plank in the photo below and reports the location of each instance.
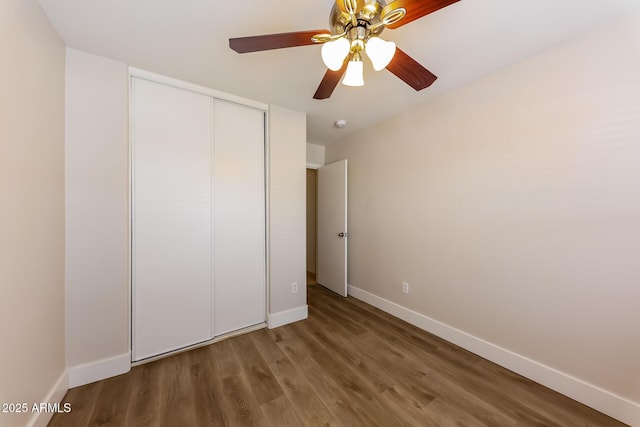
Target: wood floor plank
(363, 394)
(177, 392)
(328, 390)
(145, 405)
(111, 404)
(240, 407)
(445, 413)
(349, 364)
(265, 387)
(279, 412)
(310, 408)
(367, 366)
(206, 389)
(83, 402)
(224, 361)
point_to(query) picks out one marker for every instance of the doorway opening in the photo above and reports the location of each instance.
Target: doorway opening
(327, 240)
(312, 212)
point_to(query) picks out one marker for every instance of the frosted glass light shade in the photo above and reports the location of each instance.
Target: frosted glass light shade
(380, 52)
(354, 74)
(334, 52)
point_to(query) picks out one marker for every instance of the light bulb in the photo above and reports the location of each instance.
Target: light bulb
(380, 52)
(334, 52)
(353, 76)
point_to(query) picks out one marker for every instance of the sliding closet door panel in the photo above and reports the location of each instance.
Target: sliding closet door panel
(239, 217)
(172, 253)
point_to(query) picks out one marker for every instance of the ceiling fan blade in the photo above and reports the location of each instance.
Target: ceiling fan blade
(329, 82)
(345, 5)
(410, 71)
(415, 9)
(273, 41)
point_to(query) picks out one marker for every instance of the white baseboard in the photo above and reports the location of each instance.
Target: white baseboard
(593, 396)
(282, 318)
(55, 395)
(99, 370)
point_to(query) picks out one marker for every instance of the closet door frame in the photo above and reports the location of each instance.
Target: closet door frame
(215, 95)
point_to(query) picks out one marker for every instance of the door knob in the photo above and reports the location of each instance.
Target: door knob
(342, 235)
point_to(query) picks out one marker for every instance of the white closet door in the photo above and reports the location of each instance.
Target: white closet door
(239, 217)
(171, 149)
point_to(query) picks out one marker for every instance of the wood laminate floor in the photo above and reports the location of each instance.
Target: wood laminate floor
(349, 364)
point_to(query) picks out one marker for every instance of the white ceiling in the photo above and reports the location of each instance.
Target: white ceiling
(188, 40)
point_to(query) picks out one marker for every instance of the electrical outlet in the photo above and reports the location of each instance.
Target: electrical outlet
(294, 287)
(405, 287)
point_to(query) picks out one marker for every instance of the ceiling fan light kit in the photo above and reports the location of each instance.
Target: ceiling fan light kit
(355, 72)
(355, 27)
(380, 52)
(334, 52)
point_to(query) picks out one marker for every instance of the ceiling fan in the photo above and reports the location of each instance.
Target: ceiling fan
(355, 28)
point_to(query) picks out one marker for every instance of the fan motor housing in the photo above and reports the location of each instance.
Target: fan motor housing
(340, 22)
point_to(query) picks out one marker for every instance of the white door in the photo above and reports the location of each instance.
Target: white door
(238, 217)
(171, 218)
(332, 227)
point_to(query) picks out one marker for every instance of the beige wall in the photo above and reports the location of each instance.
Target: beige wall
(512, 207)
(287, 132)
(97, 214)
(315, 155)
(32, 359)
